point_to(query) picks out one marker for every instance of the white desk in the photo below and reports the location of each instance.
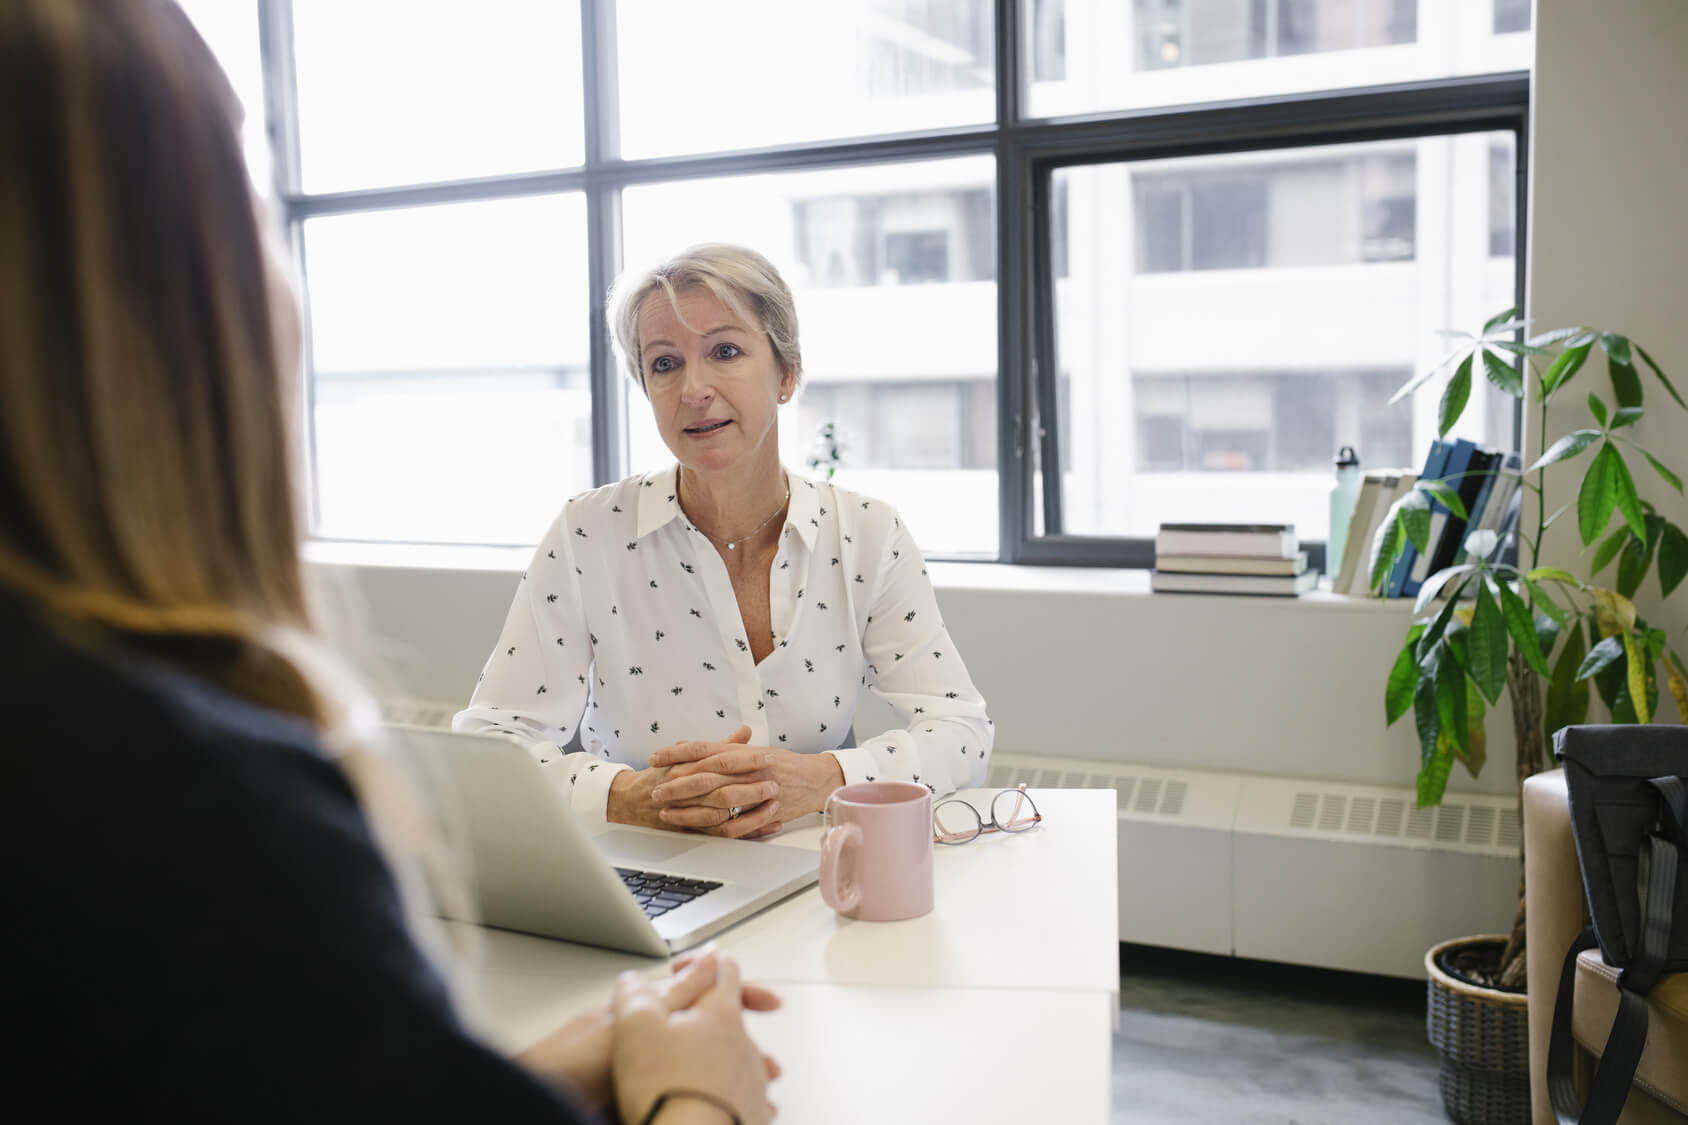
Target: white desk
(997, 1006)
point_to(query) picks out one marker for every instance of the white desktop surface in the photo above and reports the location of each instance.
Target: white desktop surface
(1014, 973)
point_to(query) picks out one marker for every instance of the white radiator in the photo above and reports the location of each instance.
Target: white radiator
(1283, 869)
(1287, 869)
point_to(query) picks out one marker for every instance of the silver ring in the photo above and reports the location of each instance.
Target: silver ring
(732, 813)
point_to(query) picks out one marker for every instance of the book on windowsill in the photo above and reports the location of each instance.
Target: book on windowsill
(1278, 585)
(1257, 540)
(1230, 564)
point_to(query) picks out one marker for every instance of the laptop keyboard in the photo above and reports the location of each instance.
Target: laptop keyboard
(658, 893)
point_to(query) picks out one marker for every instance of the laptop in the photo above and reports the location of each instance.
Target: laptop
(533, 866)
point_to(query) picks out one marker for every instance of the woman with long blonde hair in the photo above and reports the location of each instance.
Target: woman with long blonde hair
(205, 921)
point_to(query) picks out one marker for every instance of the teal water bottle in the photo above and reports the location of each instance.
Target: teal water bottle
(1342, 496)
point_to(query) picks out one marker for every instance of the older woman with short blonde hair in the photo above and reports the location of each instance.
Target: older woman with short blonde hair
(702, 633)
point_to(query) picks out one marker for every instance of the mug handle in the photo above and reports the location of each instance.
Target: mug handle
(841, 840)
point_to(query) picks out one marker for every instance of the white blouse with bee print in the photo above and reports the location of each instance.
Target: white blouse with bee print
(625, 626)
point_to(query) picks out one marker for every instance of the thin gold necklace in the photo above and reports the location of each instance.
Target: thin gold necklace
(732, 545)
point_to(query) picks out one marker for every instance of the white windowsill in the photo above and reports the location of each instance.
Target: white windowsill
(979, 576)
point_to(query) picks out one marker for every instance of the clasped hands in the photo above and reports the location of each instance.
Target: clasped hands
(695, 785)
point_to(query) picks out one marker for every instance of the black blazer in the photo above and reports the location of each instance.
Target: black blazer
(198, 923)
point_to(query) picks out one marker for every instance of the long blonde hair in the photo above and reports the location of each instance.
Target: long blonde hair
(147, 479)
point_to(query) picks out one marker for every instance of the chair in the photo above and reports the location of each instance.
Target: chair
(1557, 913)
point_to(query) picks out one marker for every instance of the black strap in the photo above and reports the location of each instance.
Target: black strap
(1615, 1074)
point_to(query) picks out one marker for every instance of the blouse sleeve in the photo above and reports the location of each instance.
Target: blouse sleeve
(945, 742)
(534, 684)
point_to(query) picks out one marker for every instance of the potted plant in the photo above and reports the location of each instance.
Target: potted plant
(1535, 631)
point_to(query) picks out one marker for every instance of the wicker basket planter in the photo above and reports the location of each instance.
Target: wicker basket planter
(1482, 1034)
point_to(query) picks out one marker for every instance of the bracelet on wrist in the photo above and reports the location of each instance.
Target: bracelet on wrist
(666, 1096)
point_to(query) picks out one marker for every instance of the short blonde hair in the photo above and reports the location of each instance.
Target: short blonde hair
(740, 278)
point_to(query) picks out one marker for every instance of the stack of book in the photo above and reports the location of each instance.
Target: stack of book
(1486, 482)
(1230, 558)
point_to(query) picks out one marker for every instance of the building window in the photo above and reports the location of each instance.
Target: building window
(1192, 314)
(1511, 16)
(1307, 211)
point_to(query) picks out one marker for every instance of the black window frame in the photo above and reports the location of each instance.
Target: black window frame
(1027, 151)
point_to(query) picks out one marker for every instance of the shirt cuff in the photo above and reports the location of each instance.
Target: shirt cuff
(891, 756)
(588, 793)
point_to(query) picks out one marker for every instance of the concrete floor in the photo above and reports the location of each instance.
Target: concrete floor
(1217, 1039)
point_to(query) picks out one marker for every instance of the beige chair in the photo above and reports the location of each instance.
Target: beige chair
(1553, 890)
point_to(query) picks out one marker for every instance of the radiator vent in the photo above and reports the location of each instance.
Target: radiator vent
(1484, 825)
(1133, 792)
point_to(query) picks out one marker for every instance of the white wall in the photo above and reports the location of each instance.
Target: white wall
(1608, 236)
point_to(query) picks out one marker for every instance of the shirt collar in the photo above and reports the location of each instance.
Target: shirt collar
(659, 504)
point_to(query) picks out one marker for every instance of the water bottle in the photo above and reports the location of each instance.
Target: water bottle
(1342, 496)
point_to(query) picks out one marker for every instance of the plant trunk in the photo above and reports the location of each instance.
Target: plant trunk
(1525, 690)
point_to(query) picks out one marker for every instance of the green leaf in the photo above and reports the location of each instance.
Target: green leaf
(1427, 591)
(1566, 447)
(1628, 499)
(1488, 645)
(1600, 657)
(1670, 478)
(1442, 491)
(1516, 348)
(1567, 696)
(1547, 633)
(1450, 703)
(1597, 408)
(1546, 604)
(1386, 546)
(1522, 626)
(1626, 384)
(1608, 549)
(1417, 381)
(1476, 741)
(1427, 642)
(1502, 374)
(1626, 416)
(1552, 573)
(1433, 772)
(1454, 397)
(1617, 347)
(1561, 370)
(1637, 680)
(1415, 518)
(1499, 318)
(1425, 717)
(1598, 495)
(1403, 681)
(1662, 379)
(1673, 560)
(1558, 336)
(1637, 557)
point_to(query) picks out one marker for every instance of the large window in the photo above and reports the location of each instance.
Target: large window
(1181, 249)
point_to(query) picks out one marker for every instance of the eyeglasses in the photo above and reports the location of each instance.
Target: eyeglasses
(957, 822)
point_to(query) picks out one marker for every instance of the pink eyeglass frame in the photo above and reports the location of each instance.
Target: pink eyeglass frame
(1015, 823)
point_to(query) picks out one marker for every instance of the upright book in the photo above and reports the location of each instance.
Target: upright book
(1434, 462)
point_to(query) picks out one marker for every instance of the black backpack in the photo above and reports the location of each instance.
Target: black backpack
(1629, 819)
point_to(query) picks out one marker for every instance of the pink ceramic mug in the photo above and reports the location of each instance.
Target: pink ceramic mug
(876, 854)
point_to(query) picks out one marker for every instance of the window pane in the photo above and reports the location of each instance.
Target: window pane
(893, 268)
(230, 29)
(451, 393)
(1089, 57)
(1295, 293)
(768, 72)
(413, 91)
